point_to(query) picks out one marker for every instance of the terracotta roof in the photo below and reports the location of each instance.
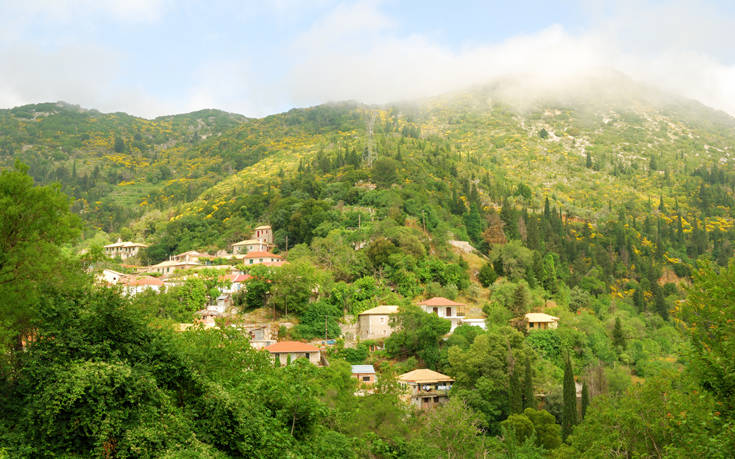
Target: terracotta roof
(275, 263)
(146, 280)
(380, 310)
(440, 301)
(424, 376)
(262, 255)
(536, 317)
(240, 277)
(290, 346)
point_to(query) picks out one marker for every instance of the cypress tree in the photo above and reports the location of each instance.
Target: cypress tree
(660, 302)
(585, 398)
(617, 335)
(569, 413)
(529, 400)
(514, 392)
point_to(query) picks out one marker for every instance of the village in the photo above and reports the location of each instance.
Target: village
(423, 388)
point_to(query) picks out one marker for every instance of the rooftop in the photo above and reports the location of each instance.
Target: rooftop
(439, 301)
(290, 346)
(386, 309)
(262, 255)
(363, 369)
(263, 227)
(125, 244)
(536, 317)
(248, 242)
(424, 376)
(145, 280)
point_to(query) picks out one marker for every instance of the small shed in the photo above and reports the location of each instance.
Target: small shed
(365, 374)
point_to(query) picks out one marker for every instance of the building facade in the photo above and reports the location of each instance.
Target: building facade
(374, 324)
(425, 389)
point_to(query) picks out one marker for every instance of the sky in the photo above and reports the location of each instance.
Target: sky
(158, 57)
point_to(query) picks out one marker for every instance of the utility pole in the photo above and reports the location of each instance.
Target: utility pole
(359, 221)
(326, 330)
(287, 243)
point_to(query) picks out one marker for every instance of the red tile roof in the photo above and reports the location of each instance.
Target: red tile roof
(241, 277)
(275, 263)
(147, 280)
(439, 301)
(291, 346)
(262, 255)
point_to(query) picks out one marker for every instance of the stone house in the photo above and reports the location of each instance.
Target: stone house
(374, 324)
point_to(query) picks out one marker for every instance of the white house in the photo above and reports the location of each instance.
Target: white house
(237, 282)
(445, 308)
(134, 285)
(110, 277)
(254, 258)
(190, 256)
(123, 250)
(170, 266)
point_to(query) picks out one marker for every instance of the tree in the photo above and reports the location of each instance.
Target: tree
(618, 337)
(548, 432)
(258, 286)
(34, 220)
(589, 160)
(519, 306)
(515, 391)
(543, 133)
(659, 302)
(294, 285)
(487, 275)
(418, 334)
(529, 399)
(454, 429)
(707, 314)
(569, 414)
(585, 398)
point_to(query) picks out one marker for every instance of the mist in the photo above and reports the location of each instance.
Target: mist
(357, 51)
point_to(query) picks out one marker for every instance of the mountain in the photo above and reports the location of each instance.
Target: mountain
(595, 147)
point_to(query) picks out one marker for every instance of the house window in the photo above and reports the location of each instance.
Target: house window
(366, 378)
(436, 311)
(306, 355)
(449, 312)
(530, 325)
(436, 399)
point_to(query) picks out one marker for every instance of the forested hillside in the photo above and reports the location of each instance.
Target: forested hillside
(604, 203)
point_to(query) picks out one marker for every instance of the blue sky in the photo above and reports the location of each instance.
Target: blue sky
(154, 57)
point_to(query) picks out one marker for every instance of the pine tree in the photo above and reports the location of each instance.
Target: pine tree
(589, 160)
(617, 336)
(569, 413)
(529, 399)
(585, 399)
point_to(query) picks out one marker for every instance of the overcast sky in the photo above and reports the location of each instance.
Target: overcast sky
(155, 57)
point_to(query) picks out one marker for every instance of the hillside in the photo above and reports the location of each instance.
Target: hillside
(593, 203)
